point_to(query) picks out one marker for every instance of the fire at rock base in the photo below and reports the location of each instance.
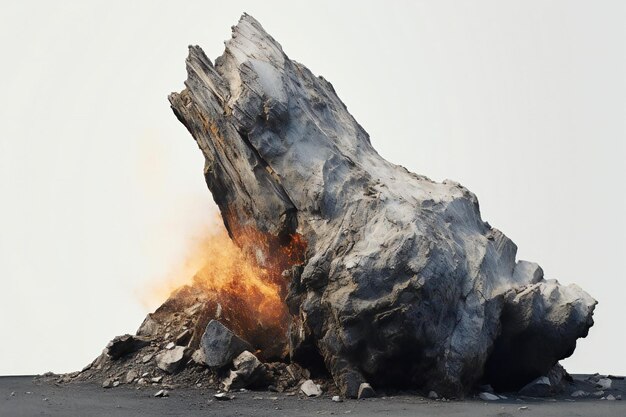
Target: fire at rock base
(355, 269)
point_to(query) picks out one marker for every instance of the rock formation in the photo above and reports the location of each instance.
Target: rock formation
(401, 283)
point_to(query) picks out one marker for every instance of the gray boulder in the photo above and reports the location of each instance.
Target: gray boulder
(220, 345)
(395, 279)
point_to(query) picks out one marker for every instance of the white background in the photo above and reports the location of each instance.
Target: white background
(101, 188)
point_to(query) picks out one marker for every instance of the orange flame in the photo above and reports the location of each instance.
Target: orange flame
(228, 269)
(248, 278)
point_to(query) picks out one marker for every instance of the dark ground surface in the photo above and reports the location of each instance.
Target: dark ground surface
(25, 396)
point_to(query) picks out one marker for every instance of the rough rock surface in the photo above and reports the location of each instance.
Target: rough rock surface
(124, 345)
(220, 345)
(402, 282)
(171, 360)
(249, 372)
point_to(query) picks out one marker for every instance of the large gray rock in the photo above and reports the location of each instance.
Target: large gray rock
(220, 345)
(402, 282)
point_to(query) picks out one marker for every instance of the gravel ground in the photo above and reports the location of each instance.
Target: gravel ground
(28, 397)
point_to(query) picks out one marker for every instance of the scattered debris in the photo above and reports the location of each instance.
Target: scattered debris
(310, 388)
(366, 391)
(487, 396)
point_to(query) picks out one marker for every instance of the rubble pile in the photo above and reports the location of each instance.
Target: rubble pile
(186, 342)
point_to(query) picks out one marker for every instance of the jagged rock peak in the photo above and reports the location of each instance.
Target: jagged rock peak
(402, 283)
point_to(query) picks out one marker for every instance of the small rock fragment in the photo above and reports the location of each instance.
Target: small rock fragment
(156, 379)
(13, 394)
(222, 396)
(337, 399)
(433, 395)
(610, 397)
(604, 383)
(162, 393)
(170, 345)
(107, 383)
(579, 393)
(310, 388)
(147, 358)
(598, 393)
(116, 384)
(522, 408)
(130, 376)
(487, 396)
(366, 391)
(124, 345)
(171, 360)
